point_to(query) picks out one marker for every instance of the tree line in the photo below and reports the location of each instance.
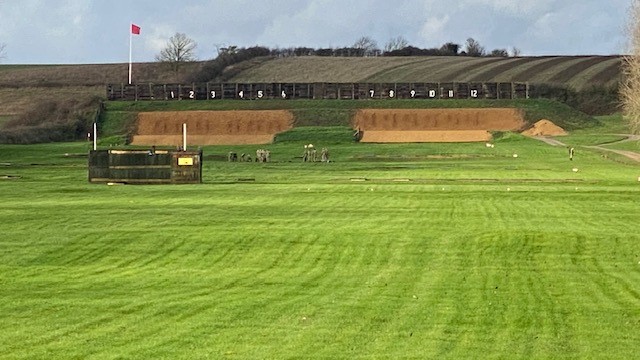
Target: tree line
(180, 49)
(399, 46)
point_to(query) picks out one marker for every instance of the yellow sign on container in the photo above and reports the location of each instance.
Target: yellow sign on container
(185, 161)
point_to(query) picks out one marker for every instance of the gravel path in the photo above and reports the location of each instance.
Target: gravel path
(550, 141)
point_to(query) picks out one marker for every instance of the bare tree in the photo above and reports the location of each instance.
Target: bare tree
(630, 88)
(3, 48)
(515, 52)
(179, 50)
(450, 49)
(473, 48)
(397, 43)
(366, 45)
(499, 53)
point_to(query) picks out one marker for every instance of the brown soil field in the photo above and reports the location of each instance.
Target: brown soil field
(435, 125)
(15, 101)
(545, 127)
(90, 74)
(211, 127)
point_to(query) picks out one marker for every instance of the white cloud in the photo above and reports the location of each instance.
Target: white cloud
(435, 29)
(518, 7)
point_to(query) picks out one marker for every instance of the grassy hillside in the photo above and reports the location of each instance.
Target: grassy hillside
(398, 251)
(23, 87)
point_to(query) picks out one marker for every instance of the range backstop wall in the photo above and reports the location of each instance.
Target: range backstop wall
(145, 166)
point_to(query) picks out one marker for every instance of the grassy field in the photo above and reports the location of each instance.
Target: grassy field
(444, 251)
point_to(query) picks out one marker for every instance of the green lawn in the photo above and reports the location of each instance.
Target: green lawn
(443, 251)
(626, 145)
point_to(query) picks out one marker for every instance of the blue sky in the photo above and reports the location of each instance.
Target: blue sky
(97, 31)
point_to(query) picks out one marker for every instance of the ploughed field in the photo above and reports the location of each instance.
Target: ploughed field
(579, 72)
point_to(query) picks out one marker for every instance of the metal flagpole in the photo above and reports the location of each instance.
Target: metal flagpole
(95, 136)
(130, 49)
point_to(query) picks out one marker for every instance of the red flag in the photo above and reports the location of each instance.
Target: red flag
(135, 29)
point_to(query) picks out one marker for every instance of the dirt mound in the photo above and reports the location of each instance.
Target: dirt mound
(211, 127)
(435, 125)
(545, 127)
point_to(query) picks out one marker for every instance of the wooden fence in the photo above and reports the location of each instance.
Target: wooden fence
(341, 91)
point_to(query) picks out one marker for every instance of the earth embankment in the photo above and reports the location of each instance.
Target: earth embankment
(211, 127)
(435, 125)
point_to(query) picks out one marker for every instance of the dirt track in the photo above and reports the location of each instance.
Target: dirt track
(211, 127)
(435, 125)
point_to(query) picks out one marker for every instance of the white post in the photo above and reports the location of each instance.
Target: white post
(95, 136)
(184, 137)
(130, 51)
